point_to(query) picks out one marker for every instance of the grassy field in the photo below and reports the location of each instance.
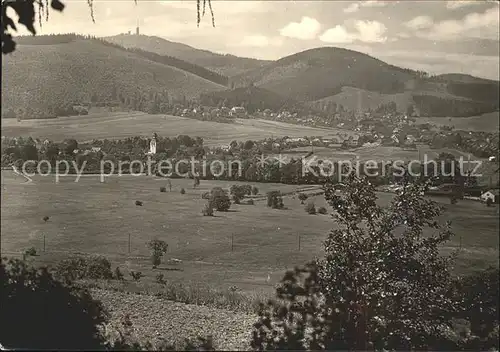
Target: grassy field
(241, 247)
(113, 125)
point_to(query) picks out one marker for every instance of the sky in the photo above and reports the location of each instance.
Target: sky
(433, 36)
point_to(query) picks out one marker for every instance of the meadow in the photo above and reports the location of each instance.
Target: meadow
(249, 247)
(483, 123)
(116, 125)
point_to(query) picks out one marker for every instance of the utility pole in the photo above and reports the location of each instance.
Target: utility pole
(44, 242)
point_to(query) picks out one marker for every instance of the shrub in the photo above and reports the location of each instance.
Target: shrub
(40, 312)
(250, 202)
(71, 269)
(163, 189)
(183, 191)
(160, 279)
(477, 300)
(302, 197)
(98, 267)
(238, 192)
(322, 210)
(138, 203)
(247, 189)
(118, 274)
(310, 208)
(205, 195)
(255, 190)
(158, 248)
(94, 267)
(275, 200)
(219, 200)
(30, 252)
(208, 210)
(136, 275)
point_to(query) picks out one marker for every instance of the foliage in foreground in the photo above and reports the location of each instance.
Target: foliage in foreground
(40, 312)
(382, 284)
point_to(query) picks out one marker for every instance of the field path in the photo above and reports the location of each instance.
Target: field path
(155, 319)
(17, 172)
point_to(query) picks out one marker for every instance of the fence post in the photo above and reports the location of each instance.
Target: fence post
(44, 242)
(232, 242)
(299, 243)
(128, 243)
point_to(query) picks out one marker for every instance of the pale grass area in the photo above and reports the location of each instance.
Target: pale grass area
(115, 125)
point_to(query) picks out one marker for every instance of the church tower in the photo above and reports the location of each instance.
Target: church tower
(152, 145)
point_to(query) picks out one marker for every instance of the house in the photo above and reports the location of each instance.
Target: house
(492, 194)
(352, 141)
(237, 111)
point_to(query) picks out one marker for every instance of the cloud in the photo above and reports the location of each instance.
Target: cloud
(374, 3)
(259, 41)
(307, 28)
(371, 31)
(365, 31)
(352, 8)
(473, 25)
(420, 22)
(457, 4)
(436, 62)
(337, 35)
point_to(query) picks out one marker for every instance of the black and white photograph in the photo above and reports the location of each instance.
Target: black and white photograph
(240, 175)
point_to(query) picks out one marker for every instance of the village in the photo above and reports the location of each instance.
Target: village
(387, 129)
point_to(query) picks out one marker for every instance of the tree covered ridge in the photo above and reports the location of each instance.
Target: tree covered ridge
(162, 59)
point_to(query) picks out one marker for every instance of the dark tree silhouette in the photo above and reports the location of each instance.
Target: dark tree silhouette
(39, 312)
(26, 11)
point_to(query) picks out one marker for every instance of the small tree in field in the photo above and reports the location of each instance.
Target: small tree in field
(302, 197)
(275, 200)
(382, 284)
(219, 199)
(118, 274)
(158, 248)
(255, 190)
(208, 210)
(239, 192)
(136, 275)
(196, 181)
(310, 208)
